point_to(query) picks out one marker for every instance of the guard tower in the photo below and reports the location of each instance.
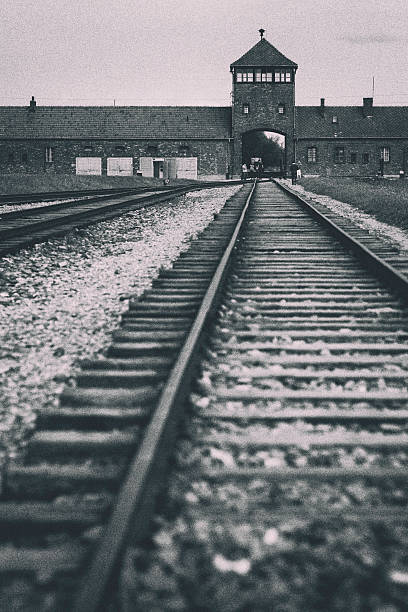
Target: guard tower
(263, 85)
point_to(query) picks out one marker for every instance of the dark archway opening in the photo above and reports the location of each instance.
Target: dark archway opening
(269, 147)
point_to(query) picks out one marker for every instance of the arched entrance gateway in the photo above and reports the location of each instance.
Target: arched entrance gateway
(266, 147)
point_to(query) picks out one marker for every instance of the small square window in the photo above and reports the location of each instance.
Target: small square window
(281, 109)
(335, 119)
(312, 155)
(339, 155)
(287, 77)
(245, 109)
(49, 155)
(385, 154)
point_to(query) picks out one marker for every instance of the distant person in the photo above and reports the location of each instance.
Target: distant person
(244, 172)
(293, 172)
(251, 170)
(299, 170)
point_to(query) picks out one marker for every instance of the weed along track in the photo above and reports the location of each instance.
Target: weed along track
(283, 358)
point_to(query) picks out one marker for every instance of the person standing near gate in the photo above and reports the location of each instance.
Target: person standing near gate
(293, 171)
(244, 172)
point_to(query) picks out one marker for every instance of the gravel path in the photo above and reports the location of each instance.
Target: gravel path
(59, 301)
(389, 233)
(7, 208)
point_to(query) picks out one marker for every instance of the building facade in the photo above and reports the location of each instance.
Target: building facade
(210, 142)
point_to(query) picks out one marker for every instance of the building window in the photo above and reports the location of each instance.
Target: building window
(245, 109)
(184, 150)
(339, 155)
(119, 149)
(385, 154)
(24, 157)
(244, 76)
(281, 108)
(49, 155)
(263, 75)
(366, 158)
(283, 76)
(353, 157)
(10, 157)
(152, 150)
(312, 155)
(335, 119)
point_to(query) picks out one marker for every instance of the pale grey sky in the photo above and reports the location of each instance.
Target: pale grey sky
(175, 52)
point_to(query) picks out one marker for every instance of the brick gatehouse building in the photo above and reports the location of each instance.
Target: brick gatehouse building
(204, 142)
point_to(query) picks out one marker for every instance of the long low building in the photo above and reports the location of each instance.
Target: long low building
(210, 142)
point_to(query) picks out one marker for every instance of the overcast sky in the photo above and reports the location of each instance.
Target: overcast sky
(178, 52)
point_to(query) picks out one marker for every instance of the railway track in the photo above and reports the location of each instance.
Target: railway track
(42, 196)
(296, 434)
(19, 229)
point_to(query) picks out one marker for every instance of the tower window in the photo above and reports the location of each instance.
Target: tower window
(244, 76)
(283, 76)
(245, 109)
(49, 154)
(385, 154)
(281, 108)
(335, 119)
(312, 155)
(339, 155)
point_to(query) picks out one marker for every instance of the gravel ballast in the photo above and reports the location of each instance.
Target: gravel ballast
(389, 233)
(60, 300)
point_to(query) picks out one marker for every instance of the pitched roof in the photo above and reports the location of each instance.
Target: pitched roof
(175, 122)
(386, 122)
(263, 54)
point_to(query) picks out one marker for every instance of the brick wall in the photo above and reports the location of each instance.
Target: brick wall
(361, 157)
(263, 100)
(213, 156)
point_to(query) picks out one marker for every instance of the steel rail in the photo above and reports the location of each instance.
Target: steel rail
(389, 275)
(24, 198)
(19, 236)
(133, 509)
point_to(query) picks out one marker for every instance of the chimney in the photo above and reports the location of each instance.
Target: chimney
(322, 107)
(33, 104)
(368, 107)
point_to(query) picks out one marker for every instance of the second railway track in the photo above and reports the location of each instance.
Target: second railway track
(23, 228)
(300, 413)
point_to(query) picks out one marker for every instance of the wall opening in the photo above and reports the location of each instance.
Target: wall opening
(269, 147)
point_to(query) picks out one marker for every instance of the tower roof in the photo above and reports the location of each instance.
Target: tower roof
(263, 54)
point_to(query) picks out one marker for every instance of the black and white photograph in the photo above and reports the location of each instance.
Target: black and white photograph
(204, 306)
